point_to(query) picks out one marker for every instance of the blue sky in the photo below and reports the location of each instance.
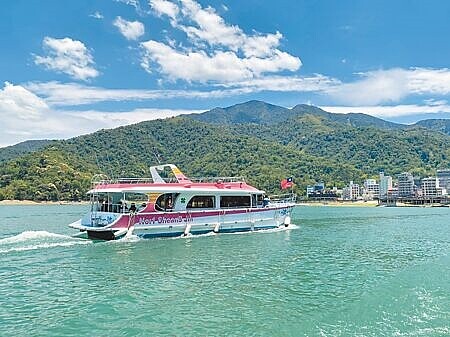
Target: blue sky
(72, 67)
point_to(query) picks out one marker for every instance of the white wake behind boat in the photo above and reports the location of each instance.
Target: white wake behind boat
(157, 207)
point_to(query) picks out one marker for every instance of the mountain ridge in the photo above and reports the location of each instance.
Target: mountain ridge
(308, 143)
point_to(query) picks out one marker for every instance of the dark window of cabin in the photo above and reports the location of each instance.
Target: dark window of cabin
(259, 199)
(253, 200)
(166, 202)
(234, 201)
(201, 201)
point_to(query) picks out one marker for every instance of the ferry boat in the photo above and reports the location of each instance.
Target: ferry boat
(179, 206)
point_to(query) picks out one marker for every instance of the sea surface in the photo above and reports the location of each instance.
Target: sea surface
(340, 271)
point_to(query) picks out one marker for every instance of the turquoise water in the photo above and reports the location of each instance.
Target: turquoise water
(340, 272)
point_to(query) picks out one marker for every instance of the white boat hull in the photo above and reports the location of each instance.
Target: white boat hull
(166, 224)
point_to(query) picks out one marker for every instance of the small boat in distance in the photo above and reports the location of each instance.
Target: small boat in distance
(176, 206)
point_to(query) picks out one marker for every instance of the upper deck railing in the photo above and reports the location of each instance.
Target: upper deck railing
(103, 180)
(283, 198)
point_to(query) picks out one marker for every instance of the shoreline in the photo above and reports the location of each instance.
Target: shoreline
(38, 203)
(370, 203)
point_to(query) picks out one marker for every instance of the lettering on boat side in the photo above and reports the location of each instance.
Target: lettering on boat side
(103, 220)
(163, 220)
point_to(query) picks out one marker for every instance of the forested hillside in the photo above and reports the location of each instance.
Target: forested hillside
(262, 142)
(14, 151)
(441, 125)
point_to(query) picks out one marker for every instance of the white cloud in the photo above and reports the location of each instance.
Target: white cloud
(220, 53)
(391, 85)
(26, 116)
(97, 15)
(67, 56)
(133, 3)
(386, 111)
(314, 83)
(16, 101)
(432, 88)
(58, 94)
(164, 7)
(131, 30)
(196, 65)
(222, 66)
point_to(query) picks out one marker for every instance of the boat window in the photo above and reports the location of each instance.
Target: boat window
(166, 202)
(259, 199)
(234, 201)
(135, 202)
(108, 202)
(201, 201)
(254, 200)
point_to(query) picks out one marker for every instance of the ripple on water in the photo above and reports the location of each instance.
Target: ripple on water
(343, 272)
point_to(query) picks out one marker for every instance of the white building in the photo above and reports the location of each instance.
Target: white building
(351, 192)
(430, 187)
(444, 179)
(405, 185)
(371, 189)
(385, 185)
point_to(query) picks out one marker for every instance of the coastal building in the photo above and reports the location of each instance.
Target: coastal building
(443, 177)
(430, 188)
(351, 192)
(314, 189)
(371, 189)
(385, 185)
(405, 185)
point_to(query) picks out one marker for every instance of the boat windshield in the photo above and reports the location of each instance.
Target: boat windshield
(118, 202)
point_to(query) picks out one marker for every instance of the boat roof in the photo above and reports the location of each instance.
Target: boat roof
(178, 183)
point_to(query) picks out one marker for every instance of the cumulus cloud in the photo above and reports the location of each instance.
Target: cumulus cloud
(131, 30)
(27, 116)
(391, 85)
(220, 52)
(195, 65)
(67, 56)
(164, 7)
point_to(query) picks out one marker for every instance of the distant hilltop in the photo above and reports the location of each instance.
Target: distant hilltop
(260, 141)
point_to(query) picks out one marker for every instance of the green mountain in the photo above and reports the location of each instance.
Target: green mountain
(249, 112)
(14, 151)
(260, 141)
(267, 114)
(440, 125)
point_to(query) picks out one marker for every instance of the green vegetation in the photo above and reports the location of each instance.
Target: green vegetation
(261, 142)
(14, 151)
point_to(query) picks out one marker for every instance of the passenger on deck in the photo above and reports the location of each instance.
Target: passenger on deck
(266, 201)
(133, 208)
(169, 205)
(102, 205)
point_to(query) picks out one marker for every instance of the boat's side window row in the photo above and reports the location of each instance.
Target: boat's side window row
(234, 201)
(201, 201)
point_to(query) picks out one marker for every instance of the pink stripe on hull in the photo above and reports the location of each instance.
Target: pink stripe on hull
(183, 217)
